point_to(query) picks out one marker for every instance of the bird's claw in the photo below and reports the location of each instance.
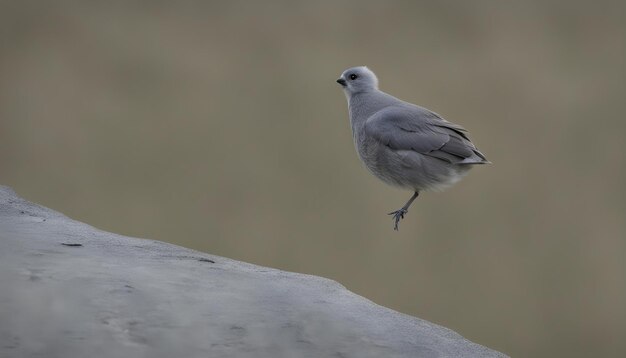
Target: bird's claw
(397, 216)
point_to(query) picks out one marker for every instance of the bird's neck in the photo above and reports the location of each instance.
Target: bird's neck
(364, 104)
(358, 104)
(361, 106)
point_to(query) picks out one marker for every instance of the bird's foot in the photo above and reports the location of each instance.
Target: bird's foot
(397, 216)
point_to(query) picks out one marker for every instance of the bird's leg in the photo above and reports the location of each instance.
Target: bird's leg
(399, 214)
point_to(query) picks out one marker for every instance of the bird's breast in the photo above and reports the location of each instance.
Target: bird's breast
(380, 160)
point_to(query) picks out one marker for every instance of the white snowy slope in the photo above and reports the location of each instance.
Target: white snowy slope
(70, 290)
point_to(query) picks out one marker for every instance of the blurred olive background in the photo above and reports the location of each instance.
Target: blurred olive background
(220, 127)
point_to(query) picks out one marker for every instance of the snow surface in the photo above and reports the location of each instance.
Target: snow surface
(70, 290)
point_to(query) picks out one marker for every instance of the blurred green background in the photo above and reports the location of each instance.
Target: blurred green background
(220, 127)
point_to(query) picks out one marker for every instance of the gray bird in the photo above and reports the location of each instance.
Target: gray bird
(402, 144)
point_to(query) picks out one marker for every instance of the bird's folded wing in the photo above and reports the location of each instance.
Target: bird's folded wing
(424, 133)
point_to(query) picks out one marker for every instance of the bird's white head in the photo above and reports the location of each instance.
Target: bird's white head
(358, 79)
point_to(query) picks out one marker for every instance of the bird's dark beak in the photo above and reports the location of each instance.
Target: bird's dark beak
(341, 81)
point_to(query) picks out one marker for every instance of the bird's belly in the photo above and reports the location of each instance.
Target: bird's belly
(384, 164)
(409, 169)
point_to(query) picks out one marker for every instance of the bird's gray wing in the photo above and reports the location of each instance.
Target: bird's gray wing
(424, 132)
(436, 120)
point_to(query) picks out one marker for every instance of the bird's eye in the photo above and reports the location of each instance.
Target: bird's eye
(353, 77)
